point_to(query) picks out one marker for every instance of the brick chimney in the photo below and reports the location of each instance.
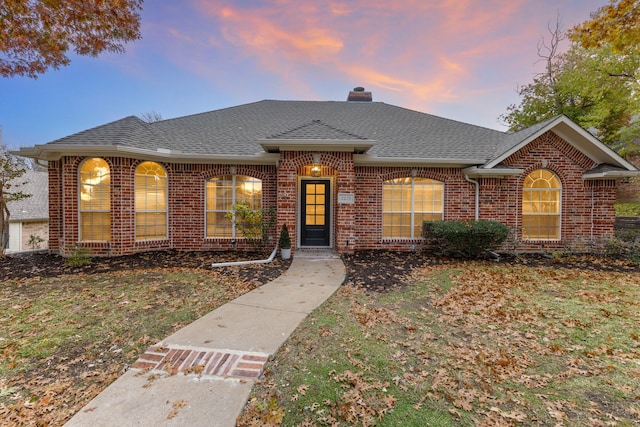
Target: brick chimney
(359, 95)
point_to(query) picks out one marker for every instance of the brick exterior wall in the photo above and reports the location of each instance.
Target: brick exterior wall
(587, 206)
(37, 229)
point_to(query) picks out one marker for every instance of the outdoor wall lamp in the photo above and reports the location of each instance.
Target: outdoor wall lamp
(315, 169)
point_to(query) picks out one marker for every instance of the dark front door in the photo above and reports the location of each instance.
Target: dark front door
(315, 215)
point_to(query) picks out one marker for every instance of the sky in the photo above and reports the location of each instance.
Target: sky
(459, 59)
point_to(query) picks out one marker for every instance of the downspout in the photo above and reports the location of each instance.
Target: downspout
(258, 261)
(477, 185)
(593, 205)
(495, 255)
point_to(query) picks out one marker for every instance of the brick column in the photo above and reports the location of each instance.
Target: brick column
(345, 233)
(286, 195)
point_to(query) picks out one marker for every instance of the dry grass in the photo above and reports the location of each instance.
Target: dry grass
(468, 344)
(64, 339)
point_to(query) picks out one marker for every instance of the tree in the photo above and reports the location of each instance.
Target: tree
(10, 171)
(596, 87)
(37, 34)
(151, 116)
(616, 25)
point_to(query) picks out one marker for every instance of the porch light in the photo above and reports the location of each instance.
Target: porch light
(315, 168)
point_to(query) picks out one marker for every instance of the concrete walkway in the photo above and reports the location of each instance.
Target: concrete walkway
(202, 375)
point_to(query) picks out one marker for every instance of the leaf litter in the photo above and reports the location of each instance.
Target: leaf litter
(67, 333)
(528, 341)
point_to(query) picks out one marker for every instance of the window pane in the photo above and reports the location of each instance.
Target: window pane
(95, 200)
(541, 206)
(221, 194)
(95, 226)
(151, 201)
(151, 225)
(406, 202)
(218, 225)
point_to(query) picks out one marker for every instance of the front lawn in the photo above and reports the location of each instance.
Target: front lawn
(466, 344)
(64, 339)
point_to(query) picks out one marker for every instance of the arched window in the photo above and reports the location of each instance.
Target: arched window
(407, 203)
(151, 201)
(222, 194)
(541, 206)
(95, 200)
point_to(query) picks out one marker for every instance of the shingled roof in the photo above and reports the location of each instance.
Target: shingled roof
(387, 133)
(36, 207)
(397, 132)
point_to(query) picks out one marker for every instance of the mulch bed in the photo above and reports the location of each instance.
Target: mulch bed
(373, 270)
(380, 271)
(43, 264)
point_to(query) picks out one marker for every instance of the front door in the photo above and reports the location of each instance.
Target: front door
(315, 218)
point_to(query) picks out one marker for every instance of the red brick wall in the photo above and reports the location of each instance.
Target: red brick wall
(587, 209)
(459, 202)
(186, 206)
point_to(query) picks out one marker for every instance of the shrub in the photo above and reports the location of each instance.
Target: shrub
(285, 240)
(35, 241)
(464, 239)
(79, 257)
(626, 244)
(254, 225)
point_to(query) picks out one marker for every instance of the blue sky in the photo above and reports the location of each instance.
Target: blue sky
(461, 59)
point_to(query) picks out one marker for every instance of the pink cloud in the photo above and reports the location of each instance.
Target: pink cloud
(424, 51)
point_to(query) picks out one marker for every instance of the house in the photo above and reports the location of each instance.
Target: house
(29, 218)
(345, 175)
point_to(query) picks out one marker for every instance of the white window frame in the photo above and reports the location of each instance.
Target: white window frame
(166, 202)
(412, 212)
(234, 178)
(558, 214)
(81, 210)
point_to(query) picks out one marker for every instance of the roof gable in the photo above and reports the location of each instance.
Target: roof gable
(569, 131)
(316, 130)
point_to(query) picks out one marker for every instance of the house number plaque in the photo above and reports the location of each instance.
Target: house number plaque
(346, 198)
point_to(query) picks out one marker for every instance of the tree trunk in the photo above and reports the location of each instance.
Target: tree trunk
(4, 225)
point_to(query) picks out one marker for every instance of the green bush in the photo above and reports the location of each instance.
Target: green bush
(464, 239)
(79, 257)
(255, 225)
(285, 240)
(627, 208)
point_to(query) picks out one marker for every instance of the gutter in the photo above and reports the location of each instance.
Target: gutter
(258, 261)
(477, 185)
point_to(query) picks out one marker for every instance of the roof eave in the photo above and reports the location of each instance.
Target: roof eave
(29, 220)
(476, 172)
(368, 160)
(609, 175)
(56, 152)
(350, 146)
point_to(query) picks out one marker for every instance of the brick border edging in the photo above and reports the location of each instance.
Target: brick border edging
(204, 362)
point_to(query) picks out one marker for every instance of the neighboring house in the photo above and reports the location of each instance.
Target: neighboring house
(343, 175)
(29, 218)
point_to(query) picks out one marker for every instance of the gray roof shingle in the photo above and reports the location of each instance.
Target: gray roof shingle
(35, 207)
(398, 132)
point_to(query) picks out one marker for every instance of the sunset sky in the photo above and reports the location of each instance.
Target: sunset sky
(460, 59)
